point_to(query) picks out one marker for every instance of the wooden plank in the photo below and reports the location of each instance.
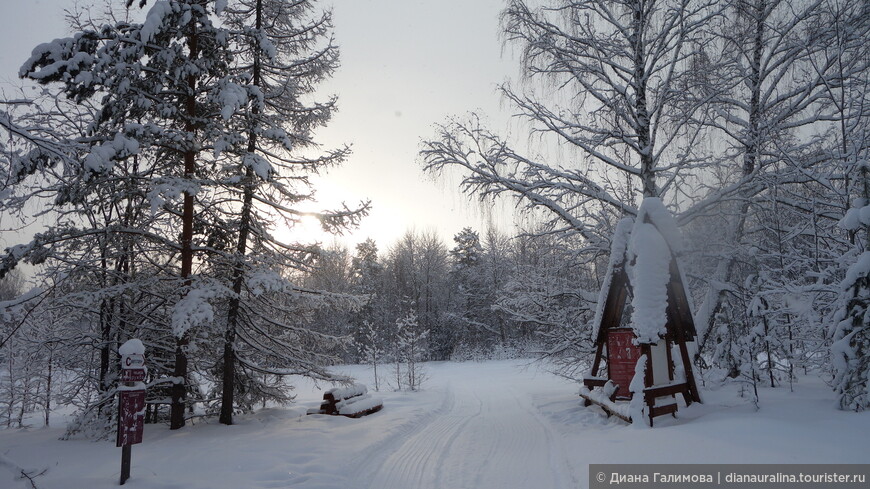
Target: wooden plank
(365, 412)
(665, 390)
(593, 383)
(678, 302)
(684, 328)
(614, 305)
(596, 364)
(656, 411)
(646, 349)
(610, 412)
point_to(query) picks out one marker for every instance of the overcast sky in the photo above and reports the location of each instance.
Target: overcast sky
(405, 65)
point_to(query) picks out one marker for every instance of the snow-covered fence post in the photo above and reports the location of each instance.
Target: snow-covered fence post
(131, 405)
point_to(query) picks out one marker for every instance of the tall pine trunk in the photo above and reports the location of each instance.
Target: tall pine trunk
(229, 357)
(179, 388)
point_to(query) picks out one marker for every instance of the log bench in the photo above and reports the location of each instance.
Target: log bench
(352, 401)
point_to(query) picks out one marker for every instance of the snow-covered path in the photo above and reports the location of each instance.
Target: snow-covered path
(489, 425)
(486, 434)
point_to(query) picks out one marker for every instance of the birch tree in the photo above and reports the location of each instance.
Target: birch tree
(612, 72)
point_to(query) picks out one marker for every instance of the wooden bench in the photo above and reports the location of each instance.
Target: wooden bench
(651, 394)
(353, 402)
(606, 398)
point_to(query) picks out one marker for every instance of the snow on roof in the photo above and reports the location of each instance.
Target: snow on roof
(663, 220)
(646, 244)
(649, 273)
(618, 246)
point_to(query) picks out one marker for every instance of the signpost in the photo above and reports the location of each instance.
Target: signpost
(131, 402)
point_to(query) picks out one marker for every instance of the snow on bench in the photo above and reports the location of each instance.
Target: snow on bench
(655, 398)
(352, 401)
(606, 399)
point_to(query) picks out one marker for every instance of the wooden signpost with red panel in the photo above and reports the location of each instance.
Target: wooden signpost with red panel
(618, 350)
(131, 402)
(131, 419)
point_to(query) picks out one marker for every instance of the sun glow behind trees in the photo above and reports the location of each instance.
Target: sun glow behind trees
(759, 204)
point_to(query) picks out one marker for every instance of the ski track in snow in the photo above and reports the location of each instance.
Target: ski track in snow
(490, 425)
(484, 435)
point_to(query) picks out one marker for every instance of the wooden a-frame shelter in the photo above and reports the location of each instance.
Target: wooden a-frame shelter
(617, 346)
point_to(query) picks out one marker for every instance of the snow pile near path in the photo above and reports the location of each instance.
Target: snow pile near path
(20, 476)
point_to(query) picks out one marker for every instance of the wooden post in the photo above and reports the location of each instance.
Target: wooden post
(131, 402)
(597, 362)
(126, 452)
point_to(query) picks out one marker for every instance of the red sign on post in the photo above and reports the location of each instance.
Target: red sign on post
(622, 355)
(131, 401)
(131, 417)
(132, 375)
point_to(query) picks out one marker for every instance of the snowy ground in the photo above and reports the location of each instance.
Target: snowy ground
(490, 425)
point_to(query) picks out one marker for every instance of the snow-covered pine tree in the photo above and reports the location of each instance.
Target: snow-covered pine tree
(284, 50)
(105, 191)
(850, 351)
(366, 268)
(411, 349)
(370, 349)
(467, 289)
(175, 116)
(367, 279)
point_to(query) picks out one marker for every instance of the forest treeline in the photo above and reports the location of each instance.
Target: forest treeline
(173, 139)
